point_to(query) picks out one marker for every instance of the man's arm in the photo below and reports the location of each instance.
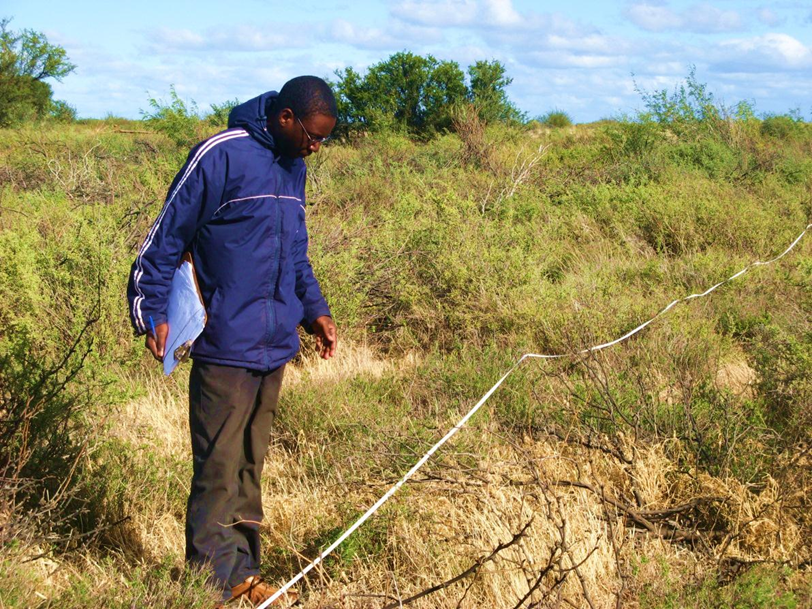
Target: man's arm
(317, 317)
(193, 197)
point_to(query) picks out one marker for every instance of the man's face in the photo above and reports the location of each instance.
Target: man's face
(300, 137)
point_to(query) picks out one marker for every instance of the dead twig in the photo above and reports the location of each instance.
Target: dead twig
(473, 569)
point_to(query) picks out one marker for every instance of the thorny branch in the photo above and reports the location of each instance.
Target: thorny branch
(472, 570)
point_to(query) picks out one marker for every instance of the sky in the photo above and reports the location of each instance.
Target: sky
(588, 58)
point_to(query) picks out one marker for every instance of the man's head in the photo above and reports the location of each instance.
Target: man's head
(303, 116)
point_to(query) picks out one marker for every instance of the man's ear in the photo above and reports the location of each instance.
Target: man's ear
(285, 117)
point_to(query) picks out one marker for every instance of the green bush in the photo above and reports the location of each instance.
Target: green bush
(62, 112)
(420, 95)
(176, 119)
(689, 108)
(781, 126)
(219, 113)
(555, 119)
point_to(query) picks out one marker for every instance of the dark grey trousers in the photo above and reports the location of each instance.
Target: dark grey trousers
(231, 411)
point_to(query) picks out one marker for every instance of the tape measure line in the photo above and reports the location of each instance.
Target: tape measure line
(485, 398)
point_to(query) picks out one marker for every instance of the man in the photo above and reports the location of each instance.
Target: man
(238, 206)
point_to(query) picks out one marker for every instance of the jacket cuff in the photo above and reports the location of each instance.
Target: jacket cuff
(157, 319)
(313, 315)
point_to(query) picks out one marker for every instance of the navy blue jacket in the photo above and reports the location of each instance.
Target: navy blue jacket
(240, 209)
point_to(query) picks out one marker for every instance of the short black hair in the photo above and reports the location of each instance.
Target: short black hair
(306, 96)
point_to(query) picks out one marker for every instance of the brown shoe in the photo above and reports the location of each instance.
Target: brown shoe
(256, 591)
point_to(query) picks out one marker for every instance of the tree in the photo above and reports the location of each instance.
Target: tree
(487, 92)
(405, 92)
(419, 95)
(26, 60)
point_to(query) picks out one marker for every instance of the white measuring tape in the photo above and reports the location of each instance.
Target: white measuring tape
(484, 399)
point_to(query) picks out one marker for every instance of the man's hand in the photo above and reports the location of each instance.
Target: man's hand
(326, 336)
(157, 344)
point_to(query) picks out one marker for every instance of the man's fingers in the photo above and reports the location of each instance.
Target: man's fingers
(163, 331)
(156, 345)
(152, 347)
(325, 331)
(332, 332)
(329, 343)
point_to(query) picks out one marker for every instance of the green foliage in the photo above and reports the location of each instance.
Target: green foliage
(51, 295)
(219, 113)
(689, 106)
(176, 119)
(419, 95)
(759, 587)
(407, 92)
(61, 341)
(26, 60)
(110, 583)
(555, 119)
(28, 53)
(686, 130)
(784, 362)
(62, 111)
(488, 84)
(782, 126)
(23, 99)
(632, 144)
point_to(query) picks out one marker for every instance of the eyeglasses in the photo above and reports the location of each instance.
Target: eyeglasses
(312, 140)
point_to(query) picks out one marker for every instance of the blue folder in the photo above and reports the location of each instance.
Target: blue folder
(186, 316)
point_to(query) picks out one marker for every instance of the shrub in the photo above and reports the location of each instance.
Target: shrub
(62, 111)
(781, 126)
(176, 119)
(556, 119)
(471, 130)
(689, 107)
(53, 378)
(219, 113)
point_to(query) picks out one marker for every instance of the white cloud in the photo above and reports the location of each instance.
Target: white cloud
(501, 12)
(395, 36)
(654, 18)
(557, 59)
(700, 18)
(459, 13)
(234, 38)
(591, 43)
(437, 14)
(346, 32)
(771, 52)
(768, 17)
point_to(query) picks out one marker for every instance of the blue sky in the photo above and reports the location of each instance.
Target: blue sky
(577, 56)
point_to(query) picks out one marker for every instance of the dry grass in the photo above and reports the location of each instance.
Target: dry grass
(351, 360)
(457, 511)
(565, 544)
(737, 377)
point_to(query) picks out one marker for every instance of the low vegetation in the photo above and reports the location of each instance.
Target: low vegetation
(555, 119)
(669, 471)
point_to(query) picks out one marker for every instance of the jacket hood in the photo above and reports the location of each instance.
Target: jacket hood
(252, 117)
